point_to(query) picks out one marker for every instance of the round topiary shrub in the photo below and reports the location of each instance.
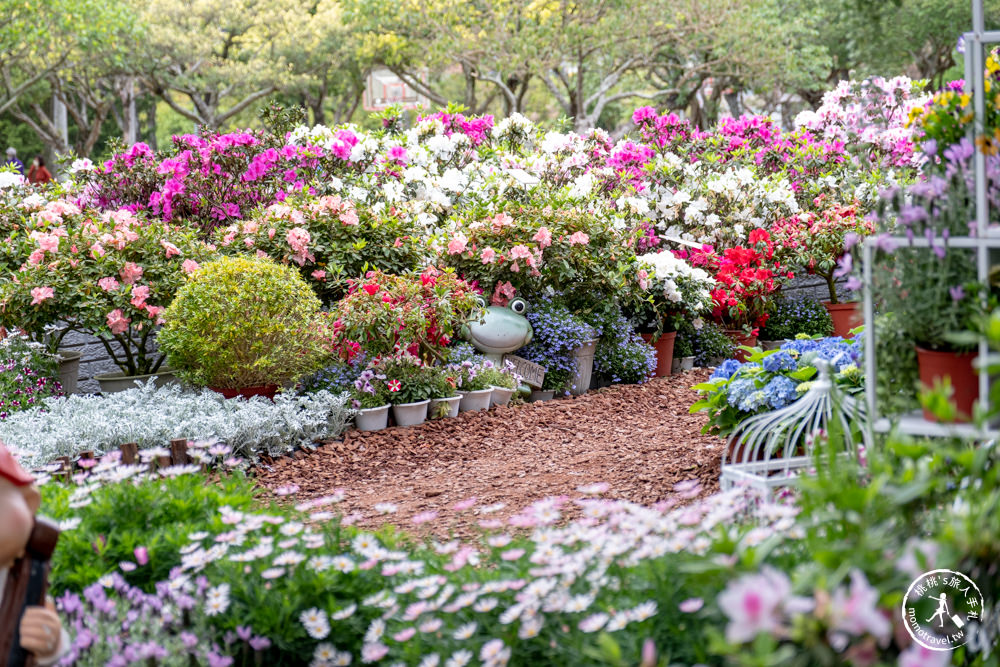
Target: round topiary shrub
(244, 322)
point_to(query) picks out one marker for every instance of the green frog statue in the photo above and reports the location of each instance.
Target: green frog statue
(499, 330)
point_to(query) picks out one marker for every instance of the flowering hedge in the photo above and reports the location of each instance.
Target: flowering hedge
(329, 239)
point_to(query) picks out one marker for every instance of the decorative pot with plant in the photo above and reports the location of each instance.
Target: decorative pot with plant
(370, 397)
(559, 333)
(933, 291)
(411, 385)
(671, 290)
(473, 385)
(246, 325)
(28, 374)
(384, 314)
(109, 275)
(817, 241)
(709, 343)
(503, 379)
(445, 400)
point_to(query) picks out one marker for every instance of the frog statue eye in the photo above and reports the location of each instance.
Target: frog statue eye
(519, 306)
(480, 302)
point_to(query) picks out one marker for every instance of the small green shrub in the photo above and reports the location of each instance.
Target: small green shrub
(242, 322)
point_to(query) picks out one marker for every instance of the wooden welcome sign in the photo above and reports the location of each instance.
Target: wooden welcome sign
(532, 373)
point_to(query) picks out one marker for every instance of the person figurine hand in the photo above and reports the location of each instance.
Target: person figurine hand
(41, 632)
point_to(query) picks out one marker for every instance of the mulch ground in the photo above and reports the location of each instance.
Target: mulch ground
(639, 439)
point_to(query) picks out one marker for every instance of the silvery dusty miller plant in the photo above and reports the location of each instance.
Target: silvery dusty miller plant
(151, 417)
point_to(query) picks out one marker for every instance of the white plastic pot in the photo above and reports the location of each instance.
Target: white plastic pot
(501, 396)
(453, 403)
(372, 419)
(410, 414)
(475, 400)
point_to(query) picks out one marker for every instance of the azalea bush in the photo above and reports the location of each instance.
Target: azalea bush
(110, 275)
(746, 279)
(242, 322)
(771, 380)
(529, 248)
(385, 314)
(206, 179)
(328, 238)
(671, 290)
(872, 119)
(817, 242)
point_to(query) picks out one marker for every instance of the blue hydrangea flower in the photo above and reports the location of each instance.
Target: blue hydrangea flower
(780, 391)
(739, 389)
(779, 361)
(726, 370)
(753, 400)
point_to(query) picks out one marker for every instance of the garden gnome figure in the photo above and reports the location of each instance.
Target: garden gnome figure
(41, 633)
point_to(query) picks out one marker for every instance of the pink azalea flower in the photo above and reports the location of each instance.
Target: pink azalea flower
(488, 255)
(758, 603)
(921, 656)
(856, 612)
(47, 242)
(579, 238)
(520, 252)
(319, 274)
(139, 295)
(170, 248)
(457, 245)
(117, 322)
(154, 313)
(130, 273)
(36, 257)
(40, 294)
(189, 266)
(97, 250)
(543, 237)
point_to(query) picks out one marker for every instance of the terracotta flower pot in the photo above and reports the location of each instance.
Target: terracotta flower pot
(265, 390)
(845, 316)
(664, 347)
(740, 338)
(937, 365)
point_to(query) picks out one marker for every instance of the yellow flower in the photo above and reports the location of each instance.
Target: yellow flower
(987, 145)
(992, 65)
(964, 100)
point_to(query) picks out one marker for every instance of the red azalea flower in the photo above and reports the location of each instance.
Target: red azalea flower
(395, 385)
(371, 289)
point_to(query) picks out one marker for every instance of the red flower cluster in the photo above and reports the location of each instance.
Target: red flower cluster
(747, 276)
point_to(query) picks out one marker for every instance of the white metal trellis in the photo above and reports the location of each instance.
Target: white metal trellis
(772, 449)
(984, 240)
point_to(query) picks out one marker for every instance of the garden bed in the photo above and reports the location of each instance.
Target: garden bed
(639, 439)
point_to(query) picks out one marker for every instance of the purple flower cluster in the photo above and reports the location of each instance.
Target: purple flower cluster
(557, 333)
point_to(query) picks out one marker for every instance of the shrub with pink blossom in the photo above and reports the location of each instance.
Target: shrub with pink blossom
(108, 274)
(872, 118)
